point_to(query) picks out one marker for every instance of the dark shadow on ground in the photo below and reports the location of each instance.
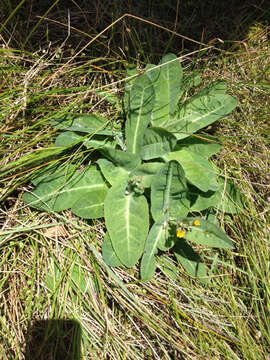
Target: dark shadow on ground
(202, 20)
(53, 340)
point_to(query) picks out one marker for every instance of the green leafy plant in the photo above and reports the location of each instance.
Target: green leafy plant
(153, 182)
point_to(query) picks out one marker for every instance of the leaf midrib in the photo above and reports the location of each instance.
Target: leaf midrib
(56, 193)
(134, 150)
(175, 123)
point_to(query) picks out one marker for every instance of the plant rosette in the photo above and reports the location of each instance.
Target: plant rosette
(153, 182)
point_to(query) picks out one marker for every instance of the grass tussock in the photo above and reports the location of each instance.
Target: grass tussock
(52, 274)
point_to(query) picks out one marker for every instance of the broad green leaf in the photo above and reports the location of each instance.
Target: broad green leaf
(148, 263)
(156, 143)
(191, 81)
(91, 204)
(54, 171)
(127, 220)
(59, 191)
(146, 172)
(211, 216)
(68, 138)
(166, 79)
(189, 259)
(227, 198)
(153, 72)
(207, 234)
(204, 145)
(141, 102)
(108, 252)
(52, 186)
(94, 142)
(86, 123)
(203, 200)
(131, 75)
(169, 192)
(112, 173)
(198, 170)
(201, 110)
(171, 70)
(99, 141)
(121, 158)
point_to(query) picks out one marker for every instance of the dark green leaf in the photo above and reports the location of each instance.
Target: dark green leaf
(189, 259)
(68, 138)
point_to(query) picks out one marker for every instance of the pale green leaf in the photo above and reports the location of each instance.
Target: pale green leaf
(94, 142)
(156, 143)
(141, 102)
(112, 173)
(230, 198)
(86, 123)
(148, 263)
(131, 75)
(99, 142)
(54, 171)
(126, 160)
(198, 170)
(204, 145)
(227, 198)
(91, 204)
(166, 79)
(146, 173)
(61, 190)
(201, 110)
(127, 220)
(207, 234)
(169, 192)
(68, 138)
(108, 252)
(203, 200)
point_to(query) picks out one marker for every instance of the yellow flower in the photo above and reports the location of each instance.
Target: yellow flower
(180, 233)
(196, 223)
